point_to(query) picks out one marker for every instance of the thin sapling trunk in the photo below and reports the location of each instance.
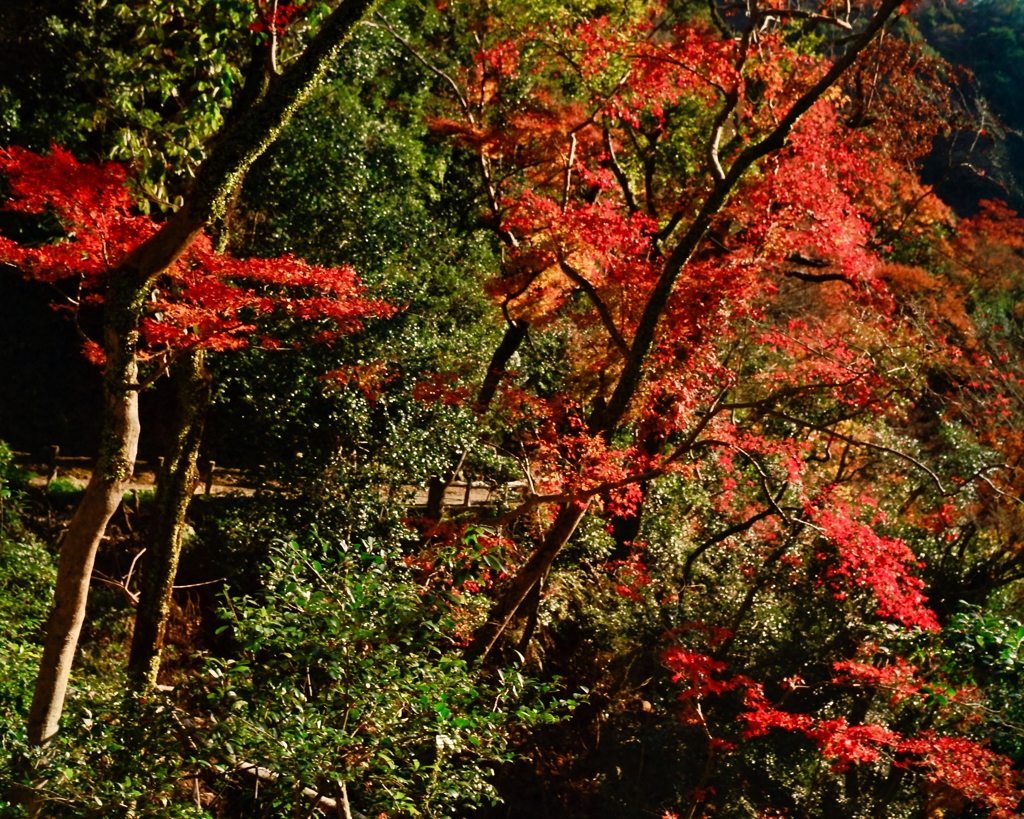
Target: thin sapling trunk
(175, 487)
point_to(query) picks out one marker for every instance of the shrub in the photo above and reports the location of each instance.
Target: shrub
(346, 681)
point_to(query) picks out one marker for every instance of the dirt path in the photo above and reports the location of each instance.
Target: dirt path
(76, 471)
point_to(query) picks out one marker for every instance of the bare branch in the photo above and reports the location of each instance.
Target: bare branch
(534, 500)
(691, 439)
(133, 599)
(272, 25)
(773, 503)
(568, 171)
(165, 365)
(979, 475)
(817, 278)
(620, 175)
(572, 497)
(197, 585)
(866, 444)
(485, 165)
(732, 99)
(426, 63)
(735, 529)
(600, 106)
(602, 309)
(807, 15)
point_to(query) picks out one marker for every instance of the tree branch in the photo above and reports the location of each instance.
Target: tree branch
(735, 529)
(807, 15)
(620, 175)
(568, 171)
(643, 340)
(866, 444)
(817, 278)
(485, 165)
(602, 309)
(463, 104)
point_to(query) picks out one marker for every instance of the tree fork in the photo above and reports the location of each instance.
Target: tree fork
(529, 574)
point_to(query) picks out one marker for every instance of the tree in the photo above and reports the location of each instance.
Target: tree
(980, 162)
(127, 285)
(747, 409)
(735, 310)
(576, 215)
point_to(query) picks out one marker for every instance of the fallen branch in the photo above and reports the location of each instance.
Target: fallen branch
(321, 801)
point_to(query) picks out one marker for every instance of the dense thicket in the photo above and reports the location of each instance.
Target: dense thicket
(668, 463)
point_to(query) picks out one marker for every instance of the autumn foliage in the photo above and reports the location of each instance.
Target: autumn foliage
(206, 300)
(791, 369)
(780, 431)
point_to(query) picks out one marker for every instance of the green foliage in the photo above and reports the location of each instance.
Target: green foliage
(12, 481)
(26, 577)
(344, 675)
(27, 573)
(93, 765)
(63, 489)
(118, 755)
(340, 672)
(989, 648)
(356, 179)
(147, 83)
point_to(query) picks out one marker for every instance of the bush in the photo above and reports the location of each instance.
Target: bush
(343, 678)
(346, 681)
(27, 572)
(12, 482)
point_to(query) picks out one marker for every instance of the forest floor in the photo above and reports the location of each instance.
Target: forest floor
(225, 481)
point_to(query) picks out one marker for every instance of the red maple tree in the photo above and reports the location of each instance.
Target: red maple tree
(205, 300)
(727, 232)
(661, 272)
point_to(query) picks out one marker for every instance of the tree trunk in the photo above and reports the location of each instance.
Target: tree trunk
(175, 488)
(103, 495)
(530, 574)
(509, 346)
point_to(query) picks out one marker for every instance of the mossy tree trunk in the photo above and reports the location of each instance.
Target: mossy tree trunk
(103, 495)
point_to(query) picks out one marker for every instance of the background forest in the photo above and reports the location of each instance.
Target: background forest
(552, 409)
